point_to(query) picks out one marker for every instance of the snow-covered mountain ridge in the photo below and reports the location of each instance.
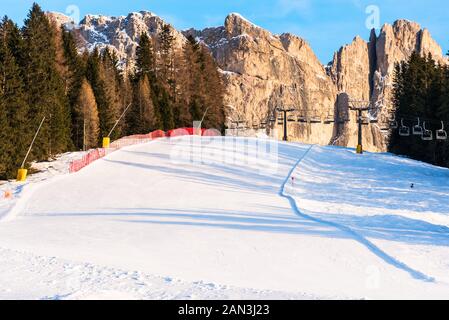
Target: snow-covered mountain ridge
(262, 70)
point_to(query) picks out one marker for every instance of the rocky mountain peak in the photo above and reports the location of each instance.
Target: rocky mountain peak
(263, 71)
(119, 34)
(236, 25)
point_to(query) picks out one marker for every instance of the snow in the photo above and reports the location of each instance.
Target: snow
(244, 19)
(145, 223)
(45, 171)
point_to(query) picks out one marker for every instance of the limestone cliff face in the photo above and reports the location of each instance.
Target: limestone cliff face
(263, 71)
(364, 71)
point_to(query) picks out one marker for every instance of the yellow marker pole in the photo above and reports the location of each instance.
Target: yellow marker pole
(107, 140)
(106, 143)
(359, 149)
(22, 173)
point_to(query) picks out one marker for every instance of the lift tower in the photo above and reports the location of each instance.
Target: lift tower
(285, 112)
(360, 107)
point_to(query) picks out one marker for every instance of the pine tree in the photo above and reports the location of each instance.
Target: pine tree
(46, 90)
(166, 48)
(143, 116)
(420, 87)
(443, 111)
(203, 85)
(74, 75)
(14, 133)
(87, 121)
(12, 35)
(145, 59)
(213, 91)
(112, 84)
(95, 76)
(165, 87)
(6, 142)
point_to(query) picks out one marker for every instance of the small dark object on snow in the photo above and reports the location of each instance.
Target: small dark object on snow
(412, 186)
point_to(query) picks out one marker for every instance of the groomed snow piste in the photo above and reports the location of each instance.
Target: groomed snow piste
(171, 220)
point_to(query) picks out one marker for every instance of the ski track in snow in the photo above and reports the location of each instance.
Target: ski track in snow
(357, 237)
(240, 234)
(75, 281)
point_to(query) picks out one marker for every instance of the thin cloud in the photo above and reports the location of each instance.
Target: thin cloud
(294, 6)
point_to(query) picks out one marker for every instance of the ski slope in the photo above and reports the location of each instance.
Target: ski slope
(147, 222)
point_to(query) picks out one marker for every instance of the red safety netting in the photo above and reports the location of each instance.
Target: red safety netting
(91, 156)
(94, 155)
(193, 131)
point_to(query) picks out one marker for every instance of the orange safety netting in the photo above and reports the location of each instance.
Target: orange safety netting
(94, 155)
(7, 194)
(87, 159)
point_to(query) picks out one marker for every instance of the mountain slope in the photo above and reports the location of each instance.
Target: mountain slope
(148, 212)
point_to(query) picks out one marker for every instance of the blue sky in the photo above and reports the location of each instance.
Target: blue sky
(325, 24)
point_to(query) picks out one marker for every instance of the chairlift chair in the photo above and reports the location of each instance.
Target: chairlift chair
(374, 119)
(404, 131)
(417, 129)
(442, 134)
(393, 123)
(291, 118)
(329, 119)
(315, 118)
(427, 134)
(302, 118)
(365, 120)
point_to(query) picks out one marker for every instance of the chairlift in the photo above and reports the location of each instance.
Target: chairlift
(291, 118)
(427, 134)
(385, 124)
(280, 121)
(417, 129)
(373, 119)
(329, 119)
(272, 119)
(404, 131)
(302, 118)
(365, 120)
(393, 123)
(315, 118)
(442, 134)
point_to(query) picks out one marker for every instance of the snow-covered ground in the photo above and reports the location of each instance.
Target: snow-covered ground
(140, 225)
